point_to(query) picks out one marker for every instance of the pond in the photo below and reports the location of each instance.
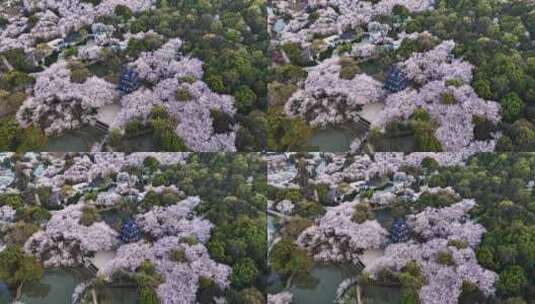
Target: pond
(117, 295)
(56, 286)
(374, 68)
(143, 143)
(333, 139)
(79, 140)
(373, 294)
(5, 296)
(323, 286)
(397, 144)
(98, 69)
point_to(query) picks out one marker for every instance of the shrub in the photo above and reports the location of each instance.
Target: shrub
(89, 216)
(448, 98)
(222, 122)
(512, 107)
(348, 68)
(123, 11)
(183, 94)
(178, 255)
(445, 258)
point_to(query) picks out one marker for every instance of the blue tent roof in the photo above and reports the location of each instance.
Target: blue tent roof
(130, 231)
(129, 81)
(399, 231)
(395, 80)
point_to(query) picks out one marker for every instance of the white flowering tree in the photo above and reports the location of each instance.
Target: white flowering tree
(455, 120)
(284, 297)
(337, 238)
(437, 64)
(446, 254)
(58, 104)
(181, 279)
(334, 17)
(326, 98)
(65, 242)
(176, 220)
(179, 89)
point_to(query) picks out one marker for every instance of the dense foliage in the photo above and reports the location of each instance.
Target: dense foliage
(227, 38)
(230, 37)
(501, 184)
(494, 36)
(237, 210)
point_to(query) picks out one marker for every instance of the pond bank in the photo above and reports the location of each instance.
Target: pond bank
(321, 288)
(80, 140)
(56, 286)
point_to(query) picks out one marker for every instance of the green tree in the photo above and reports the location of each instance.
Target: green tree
(512, 281)
(286, 134)
(89, 216)
(512, 107)
(244, 273)
(148, 295)
(245, 99)
(16, 269)
(288, 259)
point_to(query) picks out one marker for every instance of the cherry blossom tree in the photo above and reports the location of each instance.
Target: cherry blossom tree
(284, 297)
(173, 73)
(446, 232)
(58, 104)
(176, 220)
(329, 99)
(437, 64)
(336, 238)
(455, 121)
(65, 242)
(334, 17)
(167, 62)
(181, 279)
(7, 213)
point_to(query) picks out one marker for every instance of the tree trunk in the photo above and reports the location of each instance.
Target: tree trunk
(290, 279)
(94, 294)
(19, 291)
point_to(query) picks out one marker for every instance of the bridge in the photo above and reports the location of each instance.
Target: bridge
(370, 113)
(106, 115)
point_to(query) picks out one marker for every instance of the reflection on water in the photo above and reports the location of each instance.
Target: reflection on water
(118, 295)
(56, 287)
(321, 288)
(327, 280)
(4, 293)
(79, 140)
(332, 140)
(144, 143)
(380, 295)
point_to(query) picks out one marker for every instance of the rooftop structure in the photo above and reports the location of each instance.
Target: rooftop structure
(395, 81)
(129, 81)
(130, 232)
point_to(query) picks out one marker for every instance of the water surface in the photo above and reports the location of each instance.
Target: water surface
(79, 140)
(56, 286)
